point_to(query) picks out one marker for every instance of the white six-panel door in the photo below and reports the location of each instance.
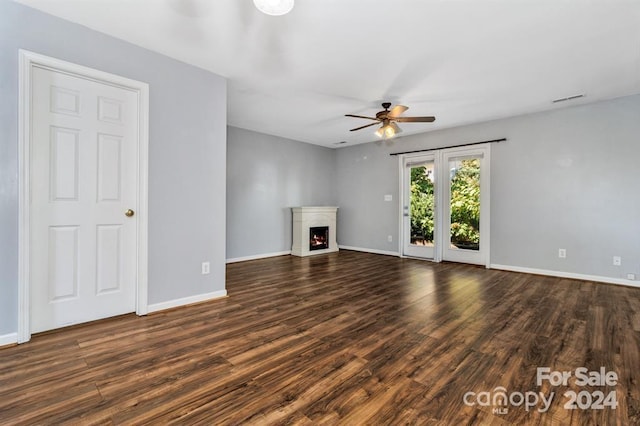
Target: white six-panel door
(83, 172)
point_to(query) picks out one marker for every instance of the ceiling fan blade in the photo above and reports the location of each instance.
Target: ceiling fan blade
(414, 119)
(362, 127)
(397, 110)
(361, 116)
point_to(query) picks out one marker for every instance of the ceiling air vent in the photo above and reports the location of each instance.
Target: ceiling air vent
(568, 98)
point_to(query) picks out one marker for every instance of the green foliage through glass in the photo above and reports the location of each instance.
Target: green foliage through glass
(422, 202)
(465, 204)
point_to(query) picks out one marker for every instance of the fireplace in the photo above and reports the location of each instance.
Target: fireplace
(314, 230)
(318, 238)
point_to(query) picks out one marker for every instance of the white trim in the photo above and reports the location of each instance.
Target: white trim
(28, 60)
(186, 301)
(8, 339)
(425, 259)
(142, 299)
(571, 275)
(24, 154)
(401, 201)
(438, 207)
(258, 256)
(485, 205)
(368, 250)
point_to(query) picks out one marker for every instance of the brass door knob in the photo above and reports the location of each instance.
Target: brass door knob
(129, 213)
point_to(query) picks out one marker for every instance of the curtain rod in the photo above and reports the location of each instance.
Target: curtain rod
(445, 147)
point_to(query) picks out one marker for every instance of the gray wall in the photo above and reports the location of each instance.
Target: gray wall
(266, 176)
(564, 179)
(187, 153)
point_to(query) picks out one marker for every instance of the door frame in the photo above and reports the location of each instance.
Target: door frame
(442, 195)
(27, 61)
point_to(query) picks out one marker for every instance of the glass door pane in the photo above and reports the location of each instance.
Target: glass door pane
(464, 229)
(419, 207)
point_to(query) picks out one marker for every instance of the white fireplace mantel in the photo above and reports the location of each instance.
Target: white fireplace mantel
(305, 218)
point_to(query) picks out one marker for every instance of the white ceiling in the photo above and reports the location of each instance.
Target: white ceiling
(463, 61)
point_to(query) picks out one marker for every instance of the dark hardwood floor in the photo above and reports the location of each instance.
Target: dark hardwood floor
(344, 338)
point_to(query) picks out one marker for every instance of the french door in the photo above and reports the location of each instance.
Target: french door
(445, 205)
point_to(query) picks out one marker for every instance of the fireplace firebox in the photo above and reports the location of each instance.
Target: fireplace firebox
(319, 238)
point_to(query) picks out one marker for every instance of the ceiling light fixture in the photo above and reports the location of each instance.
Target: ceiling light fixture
(274, 7)
(388, 130)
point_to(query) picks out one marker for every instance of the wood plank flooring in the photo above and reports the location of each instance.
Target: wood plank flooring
(345, 338)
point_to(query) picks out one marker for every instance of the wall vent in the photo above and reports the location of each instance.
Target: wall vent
(568, 98)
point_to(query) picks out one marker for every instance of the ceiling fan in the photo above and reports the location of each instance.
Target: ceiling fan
(388, 118)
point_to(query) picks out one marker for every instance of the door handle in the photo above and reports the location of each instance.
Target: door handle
(129, 213)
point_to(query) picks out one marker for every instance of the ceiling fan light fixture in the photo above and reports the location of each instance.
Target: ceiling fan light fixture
(274, 7)
(389, 132)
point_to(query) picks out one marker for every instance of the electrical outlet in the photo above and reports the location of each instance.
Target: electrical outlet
(390, 238)
(206, 268)
(388, 197)
(631, 276)
(562, 253)
(617, 260)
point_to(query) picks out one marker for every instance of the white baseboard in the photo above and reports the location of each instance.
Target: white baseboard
(187, 301)
(258, 256)
(8, 339)
(572, 275)
(374, 251)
